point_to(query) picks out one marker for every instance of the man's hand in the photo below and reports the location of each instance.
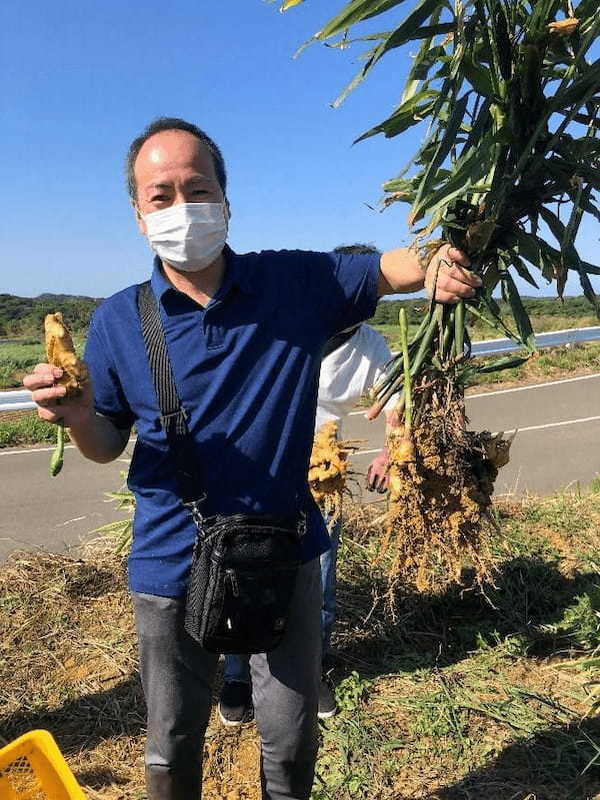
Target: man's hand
(97, 437)
(448, 276)
(50, 397)
(377, 473)
(401, 271)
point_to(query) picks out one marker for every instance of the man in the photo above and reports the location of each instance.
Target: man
(353, 362)
(244, 335)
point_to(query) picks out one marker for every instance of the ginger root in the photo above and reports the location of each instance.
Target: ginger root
(328, 469)
(60, 352)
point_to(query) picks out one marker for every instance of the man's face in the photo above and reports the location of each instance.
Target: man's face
(173, 167)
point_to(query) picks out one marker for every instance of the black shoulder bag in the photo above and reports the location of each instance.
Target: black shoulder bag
(244, 566)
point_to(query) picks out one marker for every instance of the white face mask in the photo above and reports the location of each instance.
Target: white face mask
(188, 236)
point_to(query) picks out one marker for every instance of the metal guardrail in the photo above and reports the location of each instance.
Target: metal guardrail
(492, 347)
(20, 399)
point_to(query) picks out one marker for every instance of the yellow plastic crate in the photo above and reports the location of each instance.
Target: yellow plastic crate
(33, 768)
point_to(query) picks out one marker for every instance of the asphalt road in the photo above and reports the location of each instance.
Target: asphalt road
(558, 445)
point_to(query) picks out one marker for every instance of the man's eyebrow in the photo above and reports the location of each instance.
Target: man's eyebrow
(195, 179)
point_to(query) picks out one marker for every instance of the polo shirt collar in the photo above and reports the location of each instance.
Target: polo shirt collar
(236, 276)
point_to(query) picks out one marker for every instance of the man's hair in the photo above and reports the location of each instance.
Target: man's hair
(161, 124)
(356, 248)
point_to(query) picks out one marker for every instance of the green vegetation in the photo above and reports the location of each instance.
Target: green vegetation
(18, 358)
(551, 363)
(546, 313)
(25, 428)
(23, 317)
(506, 98)
(489, 695)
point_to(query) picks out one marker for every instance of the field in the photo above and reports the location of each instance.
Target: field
(487, 696)
(16, 360)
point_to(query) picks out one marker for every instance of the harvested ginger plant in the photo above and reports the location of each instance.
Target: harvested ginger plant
(328, 470)
(507, 95)
(60, 352)
(441, 483)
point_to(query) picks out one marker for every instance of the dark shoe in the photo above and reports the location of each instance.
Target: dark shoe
(327, 705)
(235, 703)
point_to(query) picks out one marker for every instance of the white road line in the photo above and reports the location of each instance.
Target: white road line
(28, 450)
(366, 452)
(533, 386)
(33, 450)
(554, 424)
(69, 521)
(508, 391)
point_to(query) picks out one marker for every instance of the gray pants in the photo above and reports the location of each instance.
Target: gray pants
(177, 676)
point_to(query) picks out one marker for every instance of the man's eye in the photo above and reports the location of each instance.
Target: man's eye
(159, 198)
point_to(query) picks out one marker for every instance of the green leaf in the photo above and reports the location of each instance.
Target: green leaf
(408, 114)
(478, 77)
(354, 12)
(445, 146)
(522, 269)
(287, 4)
(519, 313)
(579, 90)
(408, 30)
(507, 362)
(585, 9)
(344, 43)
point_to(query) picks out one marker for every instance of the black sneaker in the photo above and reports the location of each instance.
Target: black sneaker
(327, 705)
(235, 703)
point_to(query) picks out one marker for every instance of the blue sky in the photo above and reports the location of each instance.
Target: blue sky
(79, 80)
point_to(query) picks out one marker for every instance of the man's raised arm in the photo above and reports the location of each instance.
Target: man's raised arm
(401, 271)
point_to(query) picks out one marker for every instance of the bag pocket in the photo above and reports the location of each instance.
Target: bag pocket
(248, 609)
(242, 582)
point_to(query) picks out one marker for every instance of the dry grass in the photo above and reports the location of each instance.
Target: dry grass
(445, 697)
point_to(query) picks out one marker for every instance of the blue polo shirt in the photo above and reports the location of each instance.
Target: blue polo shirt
(247, 369)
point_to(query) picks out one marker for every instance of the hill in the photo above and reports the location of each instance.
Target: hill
(24, 316)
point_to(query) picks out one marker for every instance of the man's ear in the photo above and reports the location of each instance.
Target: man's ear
(228, 208)
(138, 218)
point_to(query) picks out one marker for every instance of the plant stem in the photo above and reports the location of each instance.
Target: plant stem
(408, 403)
(56, 460)
(459, 329)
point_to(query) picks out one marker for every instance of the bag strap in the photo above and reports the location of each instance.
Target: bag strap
(173, 418)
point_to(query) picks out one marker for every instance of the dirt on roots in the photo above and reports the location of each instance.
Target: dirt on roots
(441, 485)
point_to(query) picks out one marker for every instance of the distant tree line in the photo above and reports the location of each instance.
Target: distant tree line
(388, 310)
(23, 317)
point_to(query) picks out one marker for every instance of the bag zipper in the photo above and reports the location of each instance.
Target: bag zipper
(235, 588)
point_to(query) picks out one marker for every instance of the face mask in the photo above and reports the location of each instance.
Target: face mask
(188, 236)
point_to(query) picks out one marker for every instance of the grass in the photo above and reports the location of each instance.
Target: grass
(554, 362)
(457, 695)
(16, 360)
(21, 428)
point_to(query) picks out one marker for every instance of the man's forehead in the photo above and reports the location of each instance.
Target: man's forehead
(174, 149)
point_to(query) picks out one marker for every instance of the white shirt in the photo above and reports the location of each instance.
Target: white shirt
(349, 372)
